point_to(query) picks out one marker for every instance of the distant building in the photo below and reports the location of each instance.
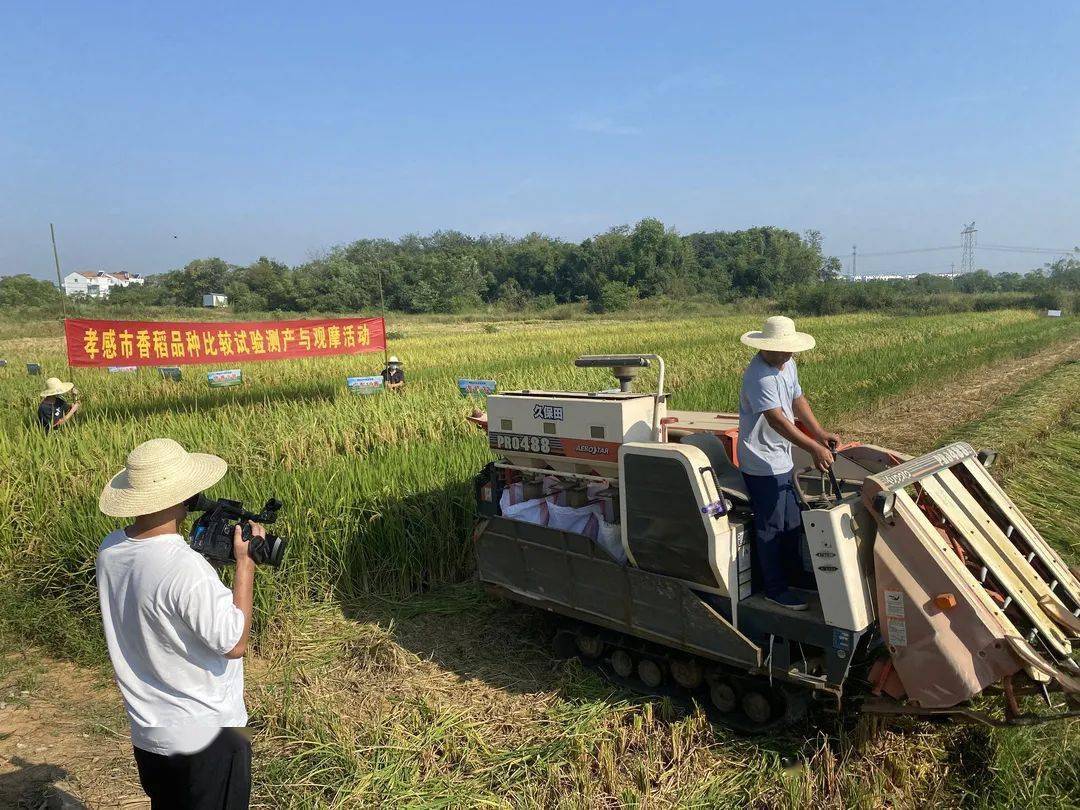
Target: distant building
(215, 300)
(903, 277)
(98, 284)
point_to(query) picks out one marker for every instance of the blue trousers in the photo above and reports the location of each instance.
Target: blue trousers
(777, 530)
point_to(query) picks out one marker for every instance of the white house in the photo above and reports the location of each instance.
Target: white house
(215, 300)
(97, 284)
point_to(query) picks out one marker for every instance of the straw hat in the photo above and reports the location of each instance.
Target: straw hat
(393, 361)
(159, 474)
(54, 387)
(779, 335)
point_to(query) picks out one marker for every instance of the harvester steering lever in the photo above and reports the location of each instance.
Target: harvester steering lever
(832, 475)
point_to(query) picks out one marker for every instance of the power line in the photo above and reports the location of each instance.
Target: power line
(967, 259)
(986, 246)
(1017, 249)
(911, 250)
(1028, 247)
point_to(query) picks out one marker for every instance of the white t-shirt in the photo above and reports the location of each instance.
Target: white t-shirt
(763, 451)
(168, 622)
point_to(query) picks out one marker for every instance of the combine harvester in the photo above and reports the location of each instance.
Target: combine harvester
(927, 586)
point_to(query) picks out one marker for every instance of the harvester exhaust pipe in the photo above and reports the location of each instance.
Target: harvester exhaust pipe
(625, 375)
(625, 368)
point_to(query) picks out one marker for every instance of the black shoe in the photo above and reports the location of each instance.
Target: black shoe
(790, 600)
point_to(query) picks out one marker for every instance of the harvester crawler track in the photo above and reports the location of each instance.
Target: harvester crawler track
(757, 706)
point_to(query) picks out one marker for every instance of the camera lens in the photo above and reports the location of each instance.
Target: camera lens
(268, 550)
(276, 549)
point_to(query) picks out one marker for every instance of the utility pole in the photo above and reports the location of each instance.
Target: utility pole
(59, 280)
(382, 303)
(853, 258)
(967, 257)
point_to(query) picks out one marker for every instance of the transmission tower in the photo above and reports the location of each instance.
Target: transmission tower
(967, 258)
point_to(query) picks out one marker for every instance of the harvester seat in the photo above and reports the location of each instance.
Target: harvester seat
(727, 474)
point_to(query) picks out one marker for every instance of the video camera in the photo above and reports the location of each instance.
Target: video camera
(212, 534)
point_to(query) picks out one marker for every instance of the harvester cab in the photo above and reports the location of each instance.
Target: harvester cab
(926, 585)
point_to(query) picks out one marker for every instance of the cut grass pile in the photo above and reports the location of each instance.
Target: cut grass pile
(379, 681)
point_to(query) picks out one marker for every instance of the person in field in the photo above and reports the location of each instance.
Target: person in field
(770, 401)
(176, 635)
(58, 404)
(394, 374)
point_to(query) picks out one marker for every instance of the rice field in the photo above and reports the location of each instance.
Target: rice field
(390, 679)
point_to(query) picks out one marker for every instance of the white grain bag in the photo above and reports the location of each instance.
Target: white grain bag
(609, 538)
(534, 511)
(580, 520)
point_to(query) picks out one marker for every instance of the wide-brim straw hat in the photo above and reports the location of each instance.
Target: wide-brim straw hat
(159, 474)
(54, 387)
(779, 335)
(393, 361)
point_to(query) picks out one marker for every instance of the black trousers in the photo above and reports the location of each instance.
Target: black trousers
(216, 778)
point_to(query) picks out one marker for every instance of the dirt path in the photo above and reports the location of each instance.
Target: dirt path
(914, 422)
(63, 736)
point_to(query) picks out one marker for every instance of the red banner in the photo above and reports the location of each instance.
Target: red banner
(175, 343)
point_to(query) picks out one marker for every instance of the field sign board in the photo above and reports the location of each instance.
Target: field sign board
(179, 343)
(365, 385)
(469, 387)
(170, 373)
(33, 369)
(223, 379)
(1053, 313)
(122, 369)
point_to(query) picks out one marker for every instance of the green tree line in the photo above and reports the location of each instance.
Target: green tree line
(449, 271)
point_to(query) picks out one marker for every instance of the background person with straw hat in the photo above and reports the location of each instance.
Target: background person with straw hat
(54, 409)
(770, 401)
(176, 635)
(394, 374)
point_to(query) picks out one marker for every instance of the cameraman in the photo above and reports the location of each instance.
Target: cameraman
(54, 409)
(176, 635)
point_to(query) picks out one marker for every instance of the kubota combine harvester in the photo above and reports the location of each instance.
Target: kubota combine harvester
(927, 586)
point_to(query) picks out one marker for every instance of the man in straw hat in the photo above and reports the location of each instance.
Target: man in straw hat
(176, 635)
(54, 409)
(769, 403)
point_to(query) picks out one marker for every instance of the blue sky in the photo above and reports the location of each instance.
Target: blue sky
(283, 129)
